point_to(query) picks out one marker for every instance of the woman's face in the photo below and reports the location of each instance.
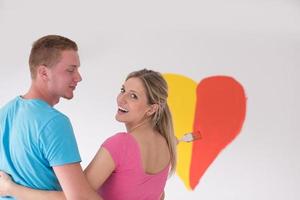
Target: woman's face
(133, 107)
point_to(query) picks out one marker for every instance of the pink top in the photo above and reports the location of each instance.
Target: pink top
(129, 181)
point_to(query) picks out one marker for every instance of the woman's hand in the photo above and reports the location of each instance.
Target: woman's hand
(5, 184)
(162, 197)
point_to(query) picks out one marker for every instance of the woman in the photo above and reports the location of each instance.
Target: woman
(132, 165)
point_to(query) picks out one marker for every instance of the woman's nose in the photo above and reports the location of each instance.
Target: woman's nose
(121, 98)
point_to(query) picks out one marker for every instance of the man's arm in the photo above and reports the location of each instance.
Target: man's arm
(74, 183)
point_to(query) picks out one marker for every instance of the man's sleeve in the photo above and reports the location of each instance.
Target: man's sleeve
(58, 143)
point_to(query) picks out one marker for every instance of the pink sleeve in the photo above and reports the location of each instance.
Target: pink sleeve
(115, 146)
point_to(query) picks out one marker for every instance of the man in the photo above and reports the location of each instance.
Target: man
(37, 144)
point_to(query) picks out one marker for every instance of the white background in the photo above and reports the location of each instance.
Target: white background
(255, 41)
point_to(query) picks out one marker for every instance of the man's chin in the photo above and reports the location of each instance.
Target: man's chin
(68, 97)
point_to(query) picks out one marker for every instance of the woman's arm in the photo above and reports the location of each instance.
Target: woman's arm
(71, 178)
(96, 173)
(9, 188)
(100, 168)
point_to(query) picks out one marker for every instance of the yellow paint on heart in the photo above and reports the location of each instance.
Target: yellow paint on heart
(182, 102)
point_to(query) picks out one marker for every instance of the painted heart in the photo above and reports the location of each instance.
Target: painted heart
(216, 108)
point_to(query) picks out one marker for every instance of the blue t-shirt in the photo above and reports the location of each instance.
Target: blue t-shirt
(34, 137)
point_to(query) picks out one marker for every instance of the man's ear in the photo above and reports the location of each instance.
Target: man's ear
(42, 72)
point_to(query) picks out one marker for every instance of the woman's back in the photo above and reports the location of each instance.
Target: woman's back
(140, 172)
(155, 154)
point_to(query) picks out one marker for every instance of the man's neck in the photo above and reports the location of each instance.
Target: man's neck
(39, 93)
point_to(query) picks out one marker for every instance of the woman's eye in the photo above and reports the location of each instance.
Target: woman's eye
(133, 96)
(122, 90)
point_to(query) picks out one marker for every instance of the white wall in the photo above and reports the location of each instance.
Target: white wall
(255, 41)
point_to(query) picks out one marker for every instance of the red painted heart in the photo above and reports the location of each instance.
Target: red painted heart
(219, 107)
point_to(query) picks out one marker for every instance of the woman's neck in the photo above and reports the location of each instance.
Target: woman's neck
(140, 128)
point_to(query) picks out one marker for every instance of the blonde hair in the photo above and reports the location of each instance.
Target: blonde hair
(47, 51)
(157, 93)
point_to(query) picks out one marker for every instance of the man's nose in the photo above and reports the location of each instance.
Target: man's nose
(78, 77)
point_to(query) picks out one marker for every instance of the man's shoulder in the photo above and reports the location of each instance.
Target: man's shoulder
(7, 106)
(41, 110)
(9, 103)
(35, 111)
